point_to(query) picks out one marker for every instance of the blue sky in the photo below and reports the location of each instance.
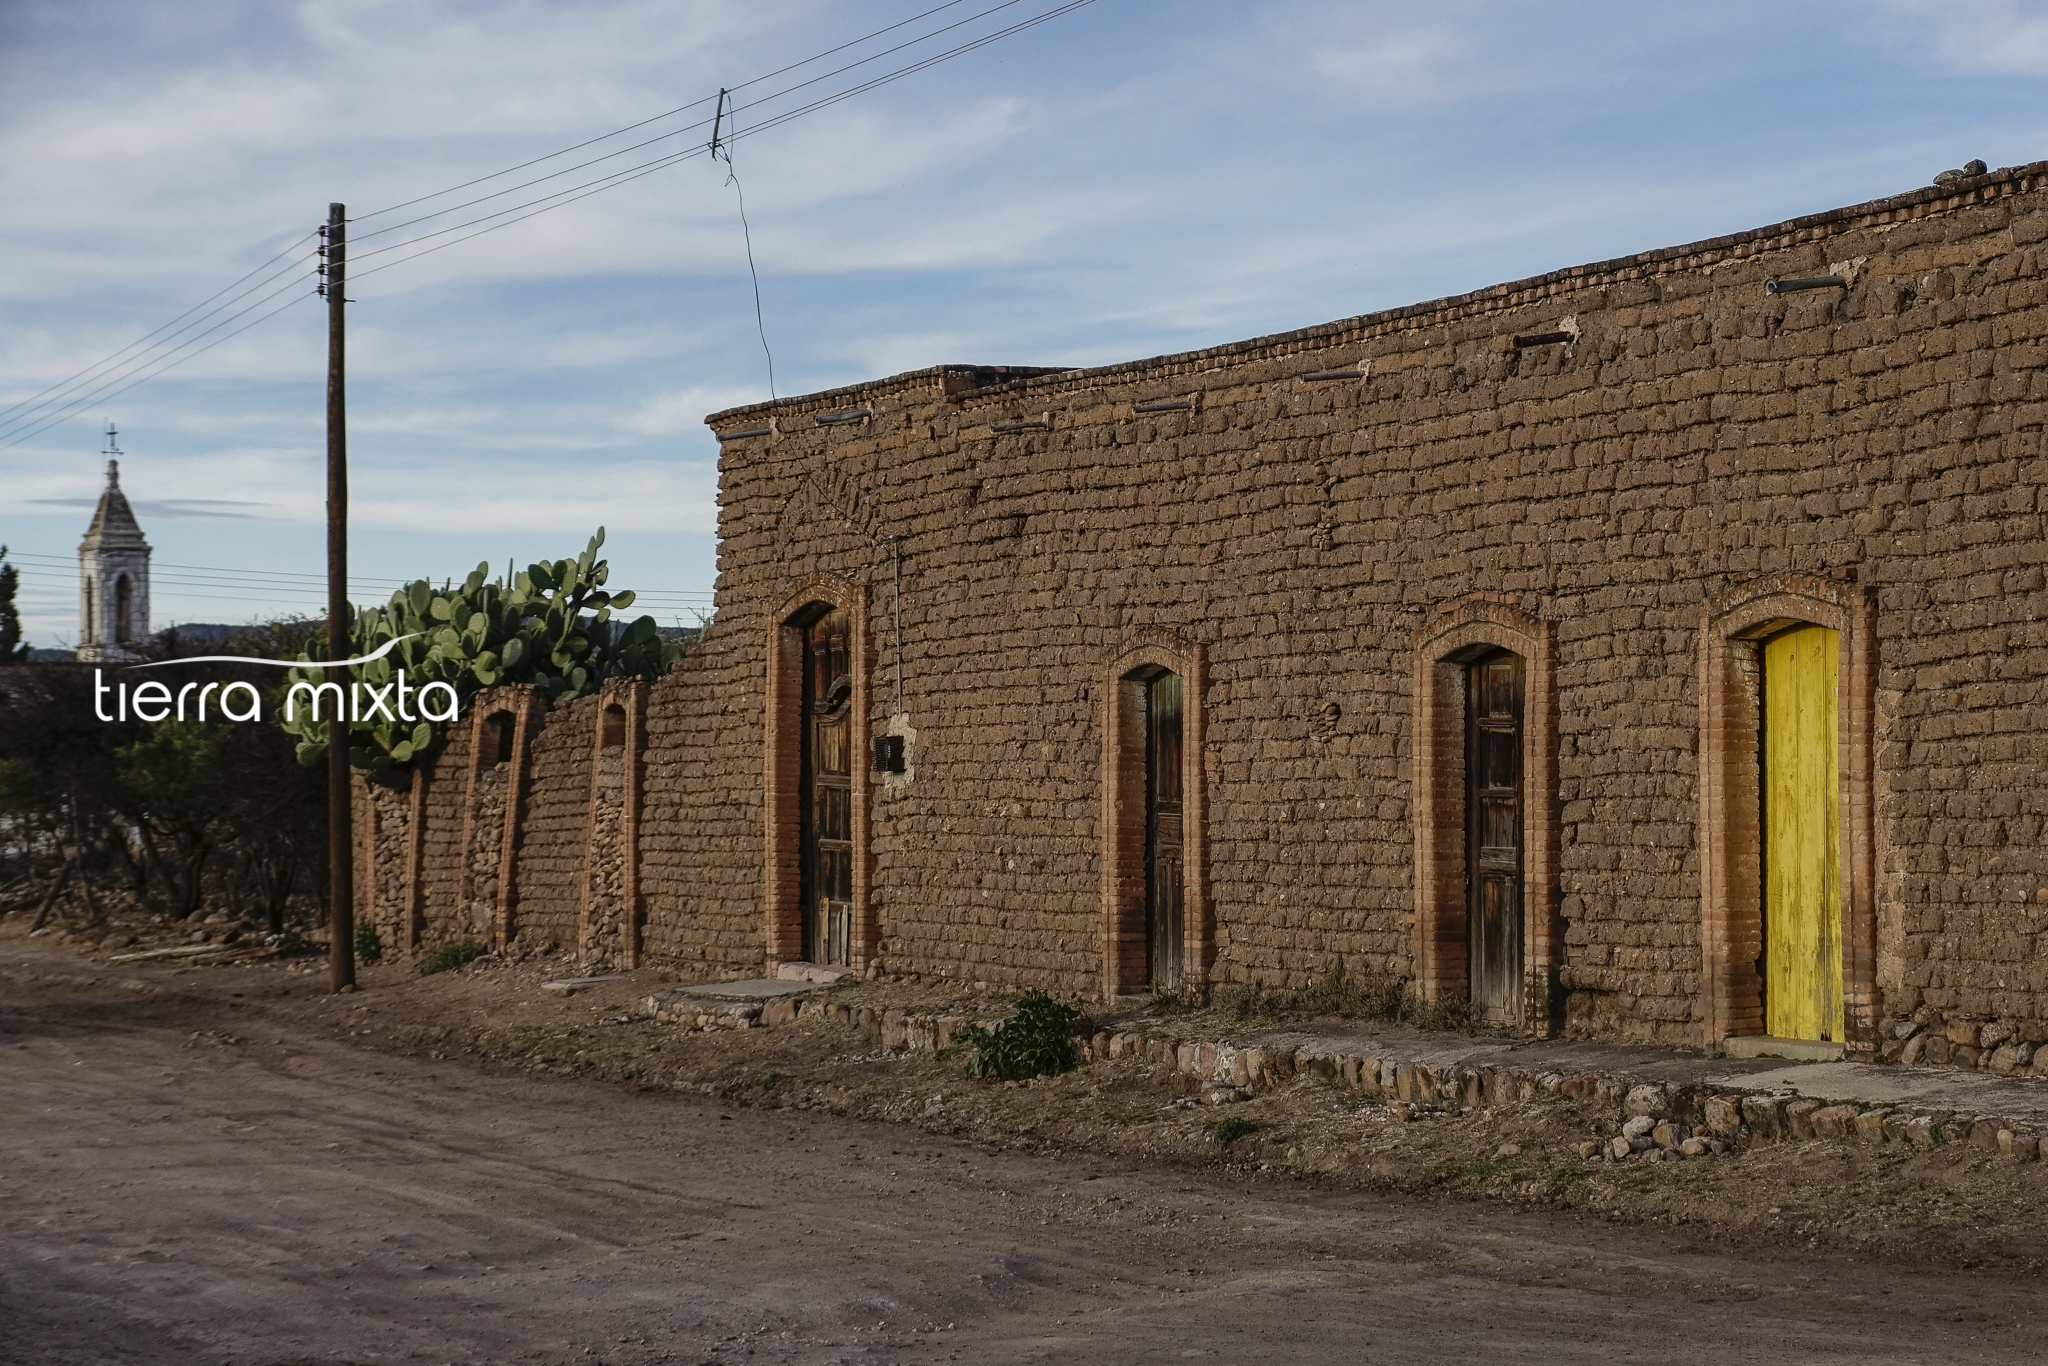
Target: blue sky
(1135, 177)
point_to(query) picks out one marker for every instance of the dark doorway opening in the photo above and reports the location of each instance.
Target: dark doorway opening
(1493, 835)
(827, 789)
(1165, 842)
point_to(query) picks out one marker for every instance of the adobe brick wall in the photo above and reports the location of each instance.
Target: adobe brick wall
(441, 855)
(700, 831)
(556, 831)
(1698, 435)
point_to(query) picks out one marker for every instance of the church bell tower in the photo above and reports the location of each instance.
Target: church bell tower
(113, 575)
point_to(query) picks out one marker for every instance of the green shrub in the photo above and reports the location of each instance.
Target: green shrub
(1228, 1131)
(368, 947)
(1036, 1040)
(450, 956)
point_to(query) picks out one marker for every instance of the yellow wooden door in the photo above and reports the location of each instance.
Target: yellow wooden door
(1802, 844)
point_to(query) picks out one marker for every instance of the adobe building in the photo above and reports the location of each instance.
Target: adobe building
(1652, 648)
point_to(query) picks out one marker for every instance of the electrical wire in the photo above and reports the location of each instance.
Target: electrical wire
(67, 381)
(619, 132)
(28, 424)
(170, 362)
(687, 128)
(146, 357)
(213, 576)
(42, 400)
(563, 198)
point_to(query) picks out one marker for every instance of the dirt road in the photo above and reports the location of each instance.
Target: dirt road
(179, 1187)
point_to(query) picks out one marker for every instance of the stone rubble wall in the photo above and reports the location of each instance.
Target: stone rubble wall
(479, 915)
(391, 810)
(1731, 1116)
(605, 867)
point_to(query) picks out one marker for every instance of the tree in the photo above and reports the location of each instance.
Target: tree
(189, 815)
(12, 650)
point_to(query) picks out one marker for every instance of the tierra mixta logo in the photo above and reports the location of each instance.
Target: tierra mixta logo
(357, 703)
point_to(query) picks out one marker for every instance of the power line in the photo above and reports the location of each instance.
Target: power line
(128, 367)
(42, 400)
(563, 198)
(15, 432)
(687, 128)
(680, 109)
(171, 361)
(67, 381)
(220, 577)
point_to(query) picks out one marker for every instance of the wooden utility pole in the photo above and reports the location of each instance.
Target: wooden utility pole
(340, 621)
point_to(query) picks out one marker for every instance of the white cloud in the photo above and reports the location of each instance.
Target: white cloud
(1106, 187)
(674, 411)
(1995, 37)
(1421, 64)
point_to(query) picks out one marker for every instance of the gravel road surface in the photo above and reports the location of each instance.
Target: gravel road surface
(179, 1187)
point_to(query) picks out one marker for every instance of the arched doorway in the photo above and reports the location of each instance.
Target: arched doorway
(1493, 835)
(1788, 925)
(826, 797)
(1156, 930)
(1801, 964)
(1485, 793)
(1165, 834)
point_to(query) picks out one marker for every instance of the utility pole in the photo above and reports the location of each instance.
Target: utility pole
(340, 832)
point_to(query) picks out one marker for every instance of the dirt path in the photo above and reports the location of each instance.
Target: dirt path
(177, 1188)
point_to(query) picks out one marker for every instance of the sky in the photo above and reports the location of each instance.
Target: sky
(1131, 178)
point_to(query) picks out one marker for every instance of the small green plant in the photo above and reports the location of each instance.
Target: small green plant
(450, 956)
(368, 947)
(1228, 1131)
(1036, 1040)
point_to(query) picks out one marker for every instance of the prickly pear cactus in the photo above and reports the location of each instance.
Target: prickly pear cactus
(551, 627)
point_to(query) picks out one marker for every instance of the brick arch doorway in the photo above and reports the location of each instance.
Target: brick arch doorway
(1484, 785)
(1163, 820)
(1157, 934)
(1495, 685)
(817, 789)
(826, 797)
(1788, 933)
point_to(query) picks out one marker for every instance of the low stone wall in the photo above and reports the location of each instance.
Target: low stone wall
(2004, 1048)
(1731, 1116)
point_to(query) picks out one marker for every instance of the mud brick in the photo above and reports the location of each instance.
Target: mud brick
(1313, 556)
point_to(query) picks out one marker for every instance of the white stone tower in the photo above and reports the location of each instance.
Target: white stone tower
(113, 575)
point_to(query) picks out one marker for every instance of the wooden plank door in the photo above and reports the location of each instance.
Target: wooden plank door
(827, 798)
(1493, 836)
(1802, 844)
(1165, 924)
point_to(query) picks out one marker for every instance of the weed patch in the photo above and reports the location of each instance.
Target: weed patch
(450, 956)
(1228, 1131)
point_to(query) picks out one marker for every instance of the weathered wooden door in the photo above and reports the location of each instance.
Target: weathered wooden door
(1493, 836)
(827, 798)
(1802, 848)
(1165, 923)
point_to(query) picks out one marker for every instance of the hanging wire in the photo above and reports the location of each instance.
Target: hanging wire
(113, 375)
(732, 178)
